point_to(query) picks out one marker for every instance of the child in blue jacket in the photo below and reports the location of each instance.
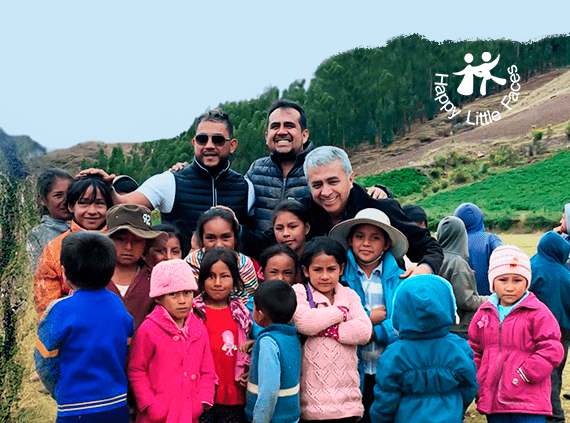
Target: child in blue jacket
(428, 375)
(83, 339)
(273, 385)
(371, 270)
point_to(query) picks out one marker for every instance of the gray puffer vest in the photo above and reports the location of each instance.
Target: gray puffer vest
(271, 187)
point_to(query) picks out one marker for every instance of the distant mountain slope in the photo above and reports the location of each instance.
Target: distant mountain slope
(70, 158)
(14, 150)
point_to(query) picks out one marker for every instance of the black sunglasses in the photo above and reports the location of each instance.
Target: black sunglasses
(218, 140)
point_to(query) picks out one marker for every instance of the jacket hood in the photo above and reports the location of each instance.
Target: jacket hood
(452, 236)
(553, 247)
(51, 223)
(424, 307)
(472, 217)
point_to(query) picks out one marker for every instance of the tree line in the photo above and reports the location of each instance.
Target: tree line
(362, 95)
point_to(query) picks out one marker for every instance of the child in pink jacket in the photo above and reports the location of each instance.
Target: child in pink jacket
(516, 342)
(332, 317)
(171, 370)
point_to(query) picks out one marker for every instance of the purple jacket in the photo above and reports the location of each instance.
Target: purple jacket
(515, 358)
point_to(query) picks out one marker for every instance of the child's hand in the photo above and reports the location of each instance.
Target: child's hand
(331, 332)
(242, 379)
(246, 347)
(378, 315)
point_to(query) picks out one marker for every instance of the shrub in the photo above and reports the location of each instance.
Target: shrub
(402, 182)
(536, 133)
(434, 173)
(459, 177)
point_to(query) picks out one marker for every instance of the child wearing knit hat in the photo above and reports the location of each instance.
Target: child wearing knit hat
(171, 370)
(516, 342)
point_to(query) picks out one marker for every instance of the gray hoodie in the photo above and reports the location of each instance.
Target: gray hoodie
(41, 234)
(452, 237)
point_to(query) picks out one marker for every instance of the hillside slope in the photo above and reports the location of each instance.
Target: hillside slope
(14, 149)
(544, 100)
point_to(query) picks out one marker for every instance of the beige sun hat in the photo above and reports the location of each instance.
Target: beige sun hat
(374, 217)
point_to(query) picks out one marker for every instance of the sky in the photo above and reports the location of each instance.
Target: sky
(134, 71)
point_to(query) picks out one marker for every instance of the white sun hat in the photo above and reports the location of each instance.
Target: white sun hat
(374, 217)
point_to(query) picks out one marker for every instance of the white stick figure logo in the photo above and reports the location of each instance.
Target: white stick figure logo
(481, 71)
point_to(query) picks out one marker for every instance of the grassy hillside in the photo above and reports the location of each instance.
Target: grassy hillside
(528, 197)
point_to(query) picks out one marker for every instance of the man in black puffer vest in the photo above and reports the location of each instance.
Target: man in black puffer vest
(280, 175)
(208, 181)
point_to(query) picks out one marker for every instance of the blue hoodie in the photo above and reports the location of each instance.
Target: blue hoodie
(550, 278)
(481, 244)
(428, 375)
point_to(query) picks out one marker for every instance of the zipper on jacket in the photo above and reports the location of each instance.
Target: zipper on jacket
(498, 364)
(498, 391)
(285, 179)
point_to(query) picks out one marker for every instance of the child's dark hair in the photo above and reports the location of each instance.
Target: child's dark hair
(323, 245)
(47, 180)
(88, 258)
(226, 256)
(355, 227)
(415, 213)
(173, 232)
(277, 300)
(79, 186)
(276, 250)
(212, 214)
(294, 207)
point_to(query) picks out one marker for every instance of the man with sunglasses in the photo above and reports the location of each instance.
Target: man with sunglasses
(208, 181)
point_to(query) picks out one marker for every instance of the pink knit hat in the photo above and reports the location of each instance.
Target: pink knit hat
(508, 259)
(171, 276)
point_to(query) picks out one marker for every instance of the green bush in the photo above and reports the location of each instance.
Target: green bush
(402, 182)
(536, 133)
(459, 178)
(434, 173)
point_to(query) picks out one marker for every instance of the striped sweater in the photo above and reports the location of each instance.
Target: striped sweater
(245, 267)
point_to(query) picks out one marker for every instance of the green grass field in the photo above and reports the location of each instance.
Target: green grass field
(529, 198)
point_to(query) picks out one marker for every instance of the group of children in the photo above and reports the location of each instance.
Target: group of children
(324, 330)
